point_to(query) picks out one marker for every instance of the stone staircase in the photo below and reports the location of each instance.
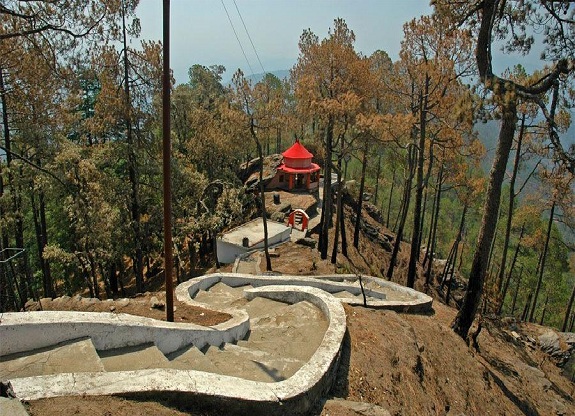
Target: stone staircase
(282, 338)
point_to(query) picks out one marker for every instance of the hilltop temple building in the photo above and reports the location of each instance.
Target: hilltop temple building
(297, 172)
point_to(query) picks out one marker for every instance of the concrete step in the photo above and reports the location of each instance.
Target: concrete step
(252, 364)
(298, 350)
(12, 407)
(138, 357)
(298, 315)
(222, 295)
(191, 358)
(260, 306)
(74, 356)
(293, 331)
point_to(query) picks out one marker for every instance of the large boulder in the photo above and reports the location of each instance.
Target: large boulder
(307, 242)
(278, 216)
(559, 346)
(250, 172)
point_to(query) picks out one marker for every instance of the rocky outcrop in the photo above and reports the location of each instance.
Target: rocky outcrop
(249, 172)
(561, 347)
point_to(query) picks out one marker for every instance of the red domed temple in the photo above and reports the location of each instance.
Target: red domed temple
(297, 172)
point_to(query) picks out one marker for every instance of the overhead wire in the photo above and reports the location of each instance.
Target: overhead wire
(249, 37)
(237, 38)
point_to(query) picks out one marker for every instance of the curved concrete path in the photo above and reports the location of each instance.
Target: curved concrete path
(379, 293)
(295, 373)
(294, 395)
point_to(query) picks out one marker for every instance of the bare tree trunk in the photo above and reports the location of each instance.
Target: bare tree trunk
(113, 278)
(403, 213)
(23, 268)
(138, 257)
(337, 210)
(472, 297)
(390, 199)
(506, 287)
(94, 276)
(360, 199)
(416, 233)
(516, 291)
(543, 258)
(343, 232)
(278, 140)
(448, 263)
(544, 310)
(452, 258)
(430, 254)
(568, 311)
(262, 196)
(490, 264)
(451, 277)
(510, 211)
(377, 175)
(424, 205)
(326, 213)
(47, 286)
(526, 308)
(215, 249)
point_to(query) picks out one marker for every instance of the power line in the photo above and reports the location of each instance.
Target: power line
(249, 37)
(238, 39)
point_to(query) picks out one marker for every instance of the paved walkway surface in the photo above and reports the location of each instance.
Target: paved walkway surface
(282, 338)
(12, 407)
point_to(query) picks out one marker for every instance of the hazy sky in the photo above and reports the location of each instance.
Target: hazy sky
(201, 32)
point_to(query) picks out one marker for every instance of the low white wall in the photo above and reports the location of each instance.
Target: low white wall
(26, 331)
(419, 302)
(228, 252)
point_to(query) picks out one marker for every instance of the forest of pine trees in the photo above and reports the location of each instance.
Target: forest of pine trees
(81, 154)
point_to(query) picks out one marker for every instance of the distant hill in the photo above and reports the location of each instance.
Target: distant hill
(280, 73)
(488, 134)
(255, 78)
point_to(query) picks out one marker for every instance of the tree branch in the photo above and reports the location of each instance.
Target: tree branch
(35, 166)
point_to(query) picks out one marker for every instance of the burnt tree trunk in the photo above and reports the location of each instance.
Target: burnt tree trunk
(360, 198)
(23, 267)
(338, 206)
(327, 198)
(430, 254)
(506, 287)
(568, 311)
(543, 258)
(472, 296)
(138, 256)
(390, 199)
(510, 208)
(516, 292)
(403, 214)
(377, 175)
(419, 185)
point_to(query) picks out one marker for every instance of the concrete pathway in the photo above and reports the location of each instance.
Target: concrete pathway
(282, 338)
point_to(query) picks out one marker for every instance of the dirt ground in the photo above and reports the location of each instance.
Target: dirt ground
(141, 305)
(408, 364)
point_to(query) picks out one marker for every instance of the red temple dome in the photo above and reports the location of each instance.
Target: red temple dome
(297, 170)
(297, 157)
(297, 151)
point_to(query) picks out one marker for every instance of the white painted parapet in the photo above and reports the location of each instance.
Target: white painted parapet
(419, 302)
(26, 331)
